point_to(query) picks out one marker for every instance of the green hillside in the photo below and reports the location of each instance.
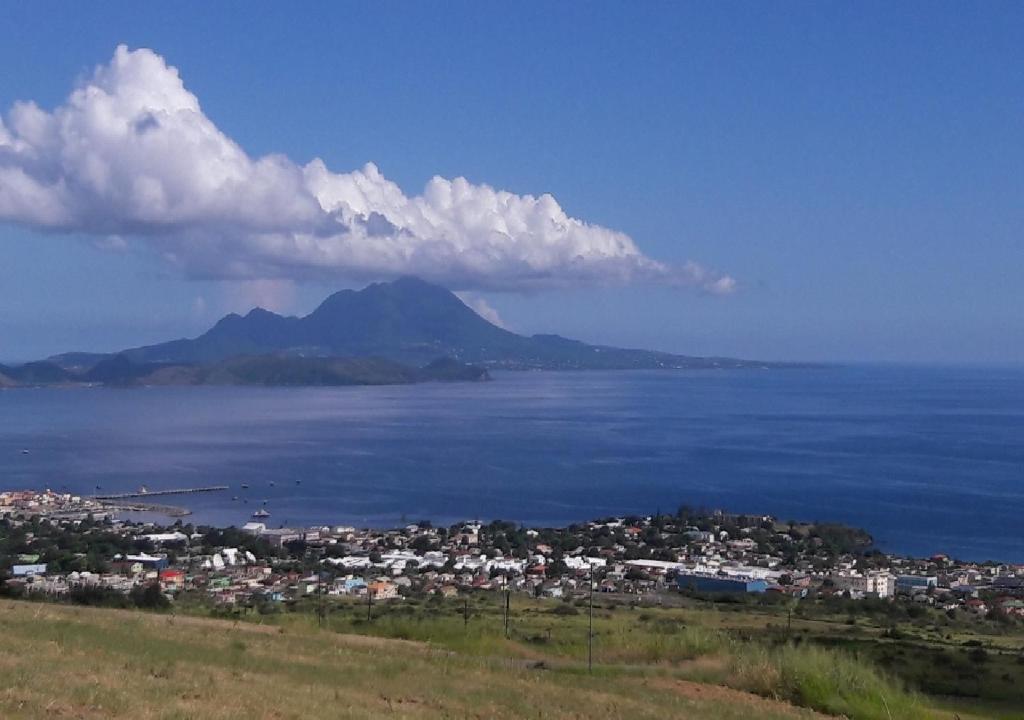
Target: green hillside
(74, 662)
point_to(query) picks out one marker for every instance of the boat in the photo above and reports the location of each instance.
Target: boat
(261, 513)
(244, 486)
(24, 451)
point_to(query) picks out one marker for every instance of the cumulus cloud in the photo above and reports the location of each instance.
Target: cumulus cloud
(131, 159)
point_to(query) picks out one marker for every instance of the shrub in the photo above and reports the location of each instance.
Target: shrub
(825, 680)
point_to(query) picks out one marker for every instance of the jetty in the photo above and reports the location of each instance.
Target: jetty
(154, 493)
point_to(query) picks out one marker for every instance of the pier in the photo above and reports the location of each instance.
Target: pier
(155, 493)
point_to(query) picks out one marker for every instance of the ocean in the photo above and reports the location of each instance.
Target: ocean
(927, 459)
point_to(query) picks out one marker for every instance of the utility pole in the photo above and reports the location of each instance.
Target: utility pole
(369, 604)
(465, 613)
(320, 597)
(590, 630)
(311, 558)
(507, 603)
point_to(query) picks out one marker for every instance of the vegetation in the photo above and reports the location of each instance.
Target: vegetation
(85, 547)
(61, 661)
(821, 661)
(647, 660)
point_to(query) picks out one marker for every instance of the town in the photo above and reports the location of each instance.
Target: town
(62, 546)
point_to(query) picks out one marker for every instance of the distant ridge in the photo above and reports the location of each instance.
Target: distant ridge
(404, 331)
(408, 321)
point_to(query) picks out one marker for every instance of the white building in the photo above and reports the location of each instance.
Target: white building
(876, 583)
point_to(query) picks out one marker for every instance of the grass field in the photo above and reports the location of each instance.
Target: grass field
(72, 662)
(820, 660)
(453, 659)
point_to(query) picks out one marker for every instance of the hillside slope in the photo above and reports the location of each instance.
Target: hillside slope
(74, 662)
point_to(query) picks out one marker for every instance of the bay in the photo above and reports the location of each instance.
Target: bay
(927, 459)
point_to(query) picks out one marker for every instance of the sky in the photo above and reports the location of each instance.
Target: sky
(807, 181)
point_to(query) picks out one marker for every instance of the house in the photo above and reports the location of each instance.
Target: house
(447, 591)
(382, 590)
(126, 567)
(552, 591)
(976, 606)
(350, 586)
(1012, 607)
(172, 580)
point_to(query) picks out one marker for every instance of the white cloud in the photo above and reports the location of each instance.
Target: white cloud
(199, 307)
(276, 294)
(130, 154)
(481, 307)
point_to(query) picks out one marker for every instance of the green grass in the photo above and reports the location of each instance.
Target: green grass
(826, 680)
(925, 671)
(697, 645)
(73, 662)
(742, 653)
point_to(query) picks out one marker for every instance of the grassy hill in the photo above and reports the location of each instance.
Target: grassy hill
(429, 658)
(75, 662)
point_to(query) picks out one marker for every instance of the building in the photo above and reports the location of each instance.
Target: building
(28, 570)
(875, 583)
(916, 583)
(720, 584)
(148, 562)
(171, 537)
(280, 537)
(382, 590)
(172, 580)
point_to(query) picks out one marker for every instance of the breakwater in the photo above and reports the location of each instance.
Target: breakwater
(156, 493)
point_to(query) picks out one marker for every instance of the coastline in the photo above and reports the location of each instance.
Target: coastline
(173, 511)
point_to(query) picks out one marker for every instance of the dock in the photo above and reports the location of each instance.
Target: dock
(155, 493)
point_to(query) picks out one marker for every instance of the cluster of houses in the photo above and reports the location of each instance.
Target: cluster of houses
(635, 556)
(47, 503)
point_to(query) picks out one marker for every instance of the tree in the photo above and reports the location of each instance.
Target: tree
(149, 597)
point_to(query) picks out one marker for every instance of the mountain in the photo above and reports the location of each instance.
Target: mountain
(387, 333)
(409, 321)
(42, 372)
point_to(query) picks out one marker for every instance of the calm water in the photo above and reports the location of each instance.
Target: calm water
(929, 460)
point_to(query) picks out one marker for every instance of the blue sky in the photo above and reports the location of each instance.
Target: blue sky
(857, 168)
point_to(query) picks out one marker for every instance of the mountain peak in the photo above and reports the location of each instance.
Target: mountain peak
(408, 320)
(415, 282)
(258, 312)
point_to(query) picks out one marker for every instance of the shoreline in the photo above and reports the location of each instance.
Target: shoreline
(173, 511)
